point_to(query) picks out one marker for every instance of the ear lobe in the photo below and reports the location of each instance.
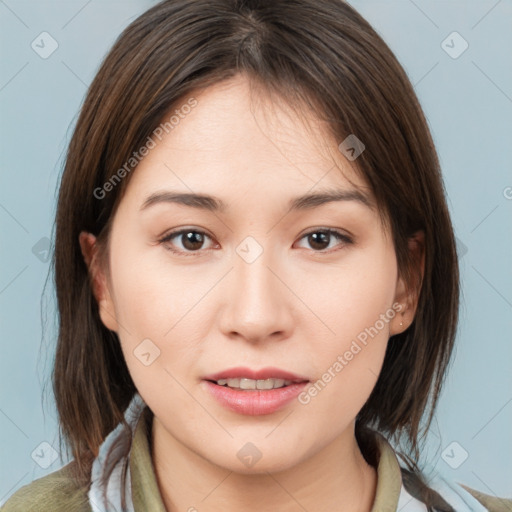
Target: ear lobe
(97, 279)
(408, 297)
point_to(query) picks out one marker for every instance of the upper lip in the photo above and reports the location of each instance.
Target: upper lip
(261, 374)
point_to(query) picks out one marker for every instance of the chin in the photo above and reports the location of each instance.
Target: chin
(250, 460)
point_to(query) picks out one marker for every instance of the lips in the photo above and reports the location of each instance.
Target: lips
(254, 402)
(262, 374)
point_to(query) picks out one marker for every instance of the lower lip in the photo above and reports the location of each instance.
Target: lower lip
(255, 402)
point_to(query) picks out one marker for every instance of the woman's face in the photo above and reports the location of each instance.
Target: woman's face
(251, 284)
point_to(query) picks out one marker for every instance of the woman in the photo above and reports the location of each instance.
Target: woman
(255, 269)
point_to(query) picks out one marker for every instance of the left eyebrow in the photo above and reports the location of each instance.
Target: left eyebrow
(214, 204)
(308, 201)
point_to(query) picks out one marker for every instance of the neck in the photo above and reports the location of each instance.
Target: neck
(336, 478)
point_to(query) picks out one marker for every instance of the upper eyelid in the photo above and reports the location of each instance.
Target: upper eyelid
(180, 231)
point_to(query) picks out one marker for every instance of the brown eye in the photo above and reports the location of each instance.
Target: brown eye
(192, 240)
(185, 241)
(320, 240)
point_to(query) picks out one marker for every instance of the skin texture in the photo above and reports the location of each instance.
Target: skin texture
(297, 307)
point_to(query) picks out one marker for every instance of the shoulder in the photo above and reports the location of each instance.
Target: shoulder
(444, 494)
(491, 503)
(463, 498)
(55, 492)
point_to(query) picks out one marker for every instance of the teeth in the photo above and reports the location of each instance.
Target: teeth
(248, 384)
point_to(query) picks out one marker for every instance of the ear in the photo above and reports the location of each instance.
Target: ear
(98, 280)
(408, 299)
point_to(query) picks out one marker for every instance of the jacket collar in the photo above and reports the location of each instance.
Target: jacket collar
(145, 492)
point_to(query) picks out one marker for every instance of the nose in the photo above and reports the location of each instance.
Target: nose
(258, 304)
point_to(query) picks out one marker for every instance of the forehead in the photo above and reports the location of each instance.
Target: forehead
(238, 141)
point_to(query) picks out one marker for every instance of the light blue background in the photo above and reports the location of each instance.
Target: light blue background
(468, 103)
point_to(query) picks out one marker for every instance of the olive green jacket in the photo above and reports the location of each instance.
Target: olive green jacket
(57, 492)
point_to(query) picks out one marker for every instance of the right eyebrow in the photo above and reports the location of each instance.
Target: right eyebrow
(200, 201)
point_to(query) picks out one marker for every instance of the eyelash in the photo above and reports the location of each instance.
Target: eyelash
(169, 236)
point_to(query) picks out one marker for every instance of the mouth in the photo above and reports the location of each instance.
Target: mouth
(254, 392)
(245, 384)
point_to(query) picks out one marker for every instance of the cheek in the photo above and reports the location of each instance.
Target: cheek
(161, 343)
(349, 355)
(159, 312)
(153, 296)
(351, 297)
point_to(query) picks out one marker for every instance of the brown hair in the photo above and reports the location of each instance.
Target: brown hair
(319, 54)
